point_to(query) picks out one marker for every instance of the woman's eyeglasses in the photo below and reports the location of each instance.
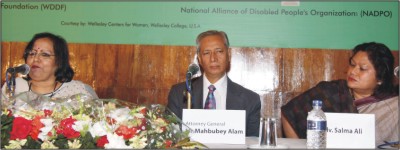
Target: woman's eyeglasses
(41, 55)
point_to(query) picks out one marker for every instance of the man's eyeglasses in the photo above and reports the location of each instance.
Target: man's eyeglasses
(41, 55)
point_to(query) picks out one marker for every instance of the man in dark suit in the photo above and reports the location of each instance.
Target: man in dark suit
(214, 55)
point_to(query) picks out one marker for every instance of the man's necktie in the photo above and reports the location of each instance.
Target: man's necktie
(210, 101)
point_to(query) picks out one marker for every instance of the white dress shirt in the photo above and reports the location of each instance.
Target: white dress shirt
(221, 87)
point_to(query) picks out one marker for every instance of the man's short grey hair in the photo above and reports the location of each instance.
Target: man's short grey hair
(209, 33)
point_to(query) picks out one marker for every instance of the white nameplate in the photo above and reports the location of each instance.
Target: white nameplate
(216, 126)
(347, 130)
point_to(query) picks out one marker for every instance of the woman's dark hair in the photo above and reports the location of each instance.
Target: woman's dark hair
(382, 59)
(64, 72)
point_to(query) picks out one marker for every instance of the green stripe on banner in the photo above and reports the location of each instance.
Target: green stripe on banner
(331, 25)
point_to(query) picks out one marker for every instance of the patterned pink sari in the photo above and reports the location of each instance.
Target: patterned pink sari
(386, 117)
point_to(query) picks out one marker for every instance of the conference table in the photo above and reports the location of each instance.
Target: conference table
(252, 142)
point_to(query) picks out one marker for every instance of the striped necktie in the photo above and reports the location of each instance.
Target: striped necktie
(210, 101)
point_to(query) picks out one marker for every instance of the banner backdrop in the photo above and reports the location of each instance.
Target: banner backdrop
(331, 25)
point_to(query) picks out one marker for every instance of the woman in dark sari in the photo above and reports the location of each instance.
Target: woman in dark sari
(369, 89)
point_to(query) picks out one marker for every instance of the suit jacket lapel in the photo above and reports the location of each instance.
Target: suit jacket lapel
(197, 91)
(233, 99)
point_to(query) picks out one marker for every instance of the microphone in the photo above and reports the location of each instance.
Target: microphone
(193, 69)
(22, 69)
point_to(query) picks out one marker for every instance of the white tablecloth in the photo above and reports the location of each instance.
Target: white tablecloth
(285, 143)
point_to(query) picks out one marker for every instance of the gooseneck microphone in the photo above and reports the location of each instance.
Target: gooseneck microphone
(193, 69)
(22, 69)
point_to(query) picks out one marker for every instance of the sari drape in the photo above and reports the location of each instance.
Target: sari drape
(336, 97)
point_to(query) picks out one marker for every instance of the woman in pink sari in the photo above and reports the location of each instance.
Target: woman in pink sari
(368, 89)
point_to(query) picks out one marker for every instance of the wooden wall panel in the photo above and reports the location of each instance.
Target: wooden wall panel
(256, 68)
(123, 72)
(148, 71)
(5, 59)
(124, 66)
(144, 74)
(105, 64)
(260, 70)
(157, 68)
(17, 50)
(82, 58)
(340, 64)
(141, 73)
(304, 68)
(11, 56)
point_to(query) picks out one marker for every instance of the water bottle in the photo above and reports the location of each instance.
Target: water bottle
(316, 127)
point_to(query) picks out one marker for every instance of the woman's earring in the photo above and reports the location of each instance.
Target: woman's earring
(379, 83)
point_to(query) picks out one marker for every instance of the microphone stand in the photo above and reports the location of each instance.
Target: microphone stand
(189, 90)
(11, 84)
